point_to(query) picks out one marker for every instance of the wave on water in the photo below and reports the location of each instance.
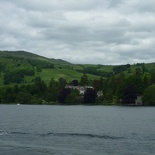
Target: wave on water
(62, 135)
(83, 135)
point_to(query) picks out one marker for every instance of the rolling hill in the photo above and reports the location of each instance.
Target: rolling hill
(32, 65)
(15, 61)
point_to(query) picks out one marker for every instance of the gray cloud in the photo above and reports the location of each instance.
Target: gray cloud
(80, 31)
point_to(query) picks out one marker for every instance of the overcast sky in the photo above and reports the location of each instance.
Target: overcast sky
(106, 32)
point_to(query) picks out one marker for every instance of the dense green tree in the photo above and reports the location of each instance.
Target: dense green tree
(119, 82)
(62, 83)
(84, 80)
(108, 95)
(53, 90)
(13, 77)
(24, 98)
(73, 97)
(149, 95)
(131, 87)
(112, 84)
(2, 67)
(16, 89)
(36, 99)
(138, 72)
(16, 75)
(129, 70)
(144, 69)
(146, 79)
(2, 94)
(9, 95)
(40, 86)
(152, 73)
(10, 98)
(104, 86)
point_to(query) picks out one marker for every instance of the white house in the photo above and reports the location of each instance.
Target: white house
(82, 89)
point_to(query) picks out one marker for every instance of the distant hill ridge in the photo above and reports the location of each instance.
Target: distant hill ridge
(28, 55)
(94, 69)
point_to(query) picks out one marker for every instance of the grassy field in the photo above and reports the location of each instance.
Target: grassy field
(56, 73)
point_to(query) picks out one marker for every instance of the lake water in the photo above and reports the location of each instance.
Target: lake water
(76, 130)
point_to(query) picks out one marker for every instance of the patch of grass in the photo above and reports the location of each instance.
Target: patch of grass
(67, 74)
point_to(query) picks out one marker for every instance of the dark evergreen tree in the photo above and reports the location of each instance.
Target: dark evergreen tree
(90, 96)
(129, 95)
(63, 95)
(53, 90)
(75, 83)
(84, 80)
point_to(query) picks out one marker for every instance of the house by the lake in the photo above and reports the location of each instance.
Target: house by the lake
(82, 89)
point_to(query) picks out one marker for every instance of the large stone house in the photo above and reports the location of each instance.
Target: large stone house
(82, 89)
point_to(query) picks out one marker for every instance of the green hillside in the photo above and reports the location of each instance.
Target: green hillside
(30, 66)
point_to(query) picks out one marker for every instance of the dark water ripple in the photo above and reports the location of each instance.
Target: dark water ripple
(83, 135)
(62, 134)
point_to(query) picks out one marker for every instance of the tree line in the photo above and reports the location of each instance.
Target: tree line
(40, 93)
(118, 89)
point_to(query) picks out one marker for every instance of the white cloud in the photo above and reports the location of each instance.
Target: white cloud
(80, 31)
